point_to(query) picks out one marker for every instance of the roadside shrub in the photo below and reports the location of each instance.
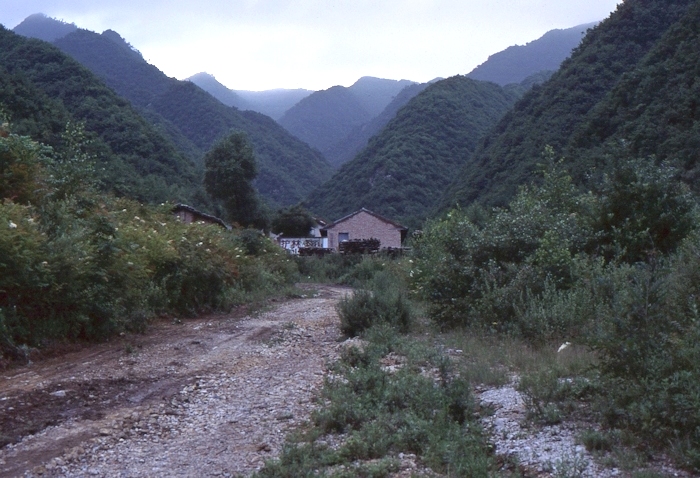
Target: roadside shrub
(331, 268)
(383, 413)
(519, 269)
(87, 268)
(649, 353)
(482, 275)
(385, 302)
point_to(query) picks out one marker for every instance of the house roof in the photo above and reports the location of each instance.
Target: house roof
(203, 215)
(381, 218)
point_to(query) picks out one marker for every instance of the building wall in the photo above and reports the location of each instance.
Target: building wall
(365, 226)
(186, 216)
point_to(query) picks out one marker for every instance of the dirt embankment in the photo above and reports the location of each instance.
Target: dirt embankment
(207, 397)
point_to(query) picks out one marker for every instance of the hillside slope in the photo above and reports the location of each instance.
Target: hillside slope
(42, 89)
(517, 62)
(348, 147)
(551, 114)
(653, 110)
(325, 119)
(288, 168)
(402, 171)
(43, 28)
(212, 86)
(273, 103)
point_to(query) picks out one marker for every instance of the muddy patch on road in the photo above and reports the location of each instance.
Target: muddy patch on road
(199, 397)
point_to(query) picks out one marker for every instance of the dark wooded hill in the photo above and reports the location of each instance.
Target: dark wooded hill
(42, 89)
(357, 139)
(402, 171)
(288, 168)
(325, 119)
(552, 114)
(653, 110)
(273, 103)
(517, 62)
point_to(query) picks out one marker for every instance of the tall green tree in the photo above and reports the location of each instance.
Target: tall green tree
(294, 221)
(230, 168)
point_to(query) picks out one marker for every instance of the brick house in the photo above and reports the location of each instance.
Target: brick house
(365, 224)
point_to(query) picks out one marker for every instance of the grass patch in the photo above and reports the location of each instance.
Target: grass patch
(372, 413)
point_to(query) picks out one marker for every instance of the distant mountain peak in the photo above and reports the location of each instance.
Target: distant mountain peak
(517, 62)
(44, 27)
(119, 40)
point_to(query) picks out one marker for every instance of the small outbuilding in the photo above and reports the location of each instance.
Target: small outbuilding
(189, 215)
(365, 224)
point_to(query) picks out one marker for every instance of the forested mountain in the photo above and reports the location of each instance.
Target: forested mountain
(517, 62)
(326, 118)
(401, 172)
(212, 86)
(375, 94)
(347, 148)
(41, 89)
(288, 168)
(44, 28)
(273, 103)
(559, 112)
(653, 110)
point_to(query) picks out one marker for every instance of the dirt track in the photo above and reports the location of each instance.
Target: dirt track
(206, 397)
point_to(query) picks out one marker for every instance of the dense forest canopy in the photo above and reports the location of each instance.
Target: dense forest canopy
(401, 170)
(41, 89)
(194, 120)
(552, 113)
(653, 110)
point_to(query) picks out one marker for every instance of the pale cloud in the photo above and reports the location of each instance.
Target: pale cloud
(315, 44)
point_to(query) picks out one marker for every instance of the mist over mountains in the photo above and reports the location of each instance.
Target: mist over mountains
(273, 103)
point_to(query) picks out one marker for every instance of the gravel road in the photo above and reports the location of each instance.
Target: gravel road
(208, 397)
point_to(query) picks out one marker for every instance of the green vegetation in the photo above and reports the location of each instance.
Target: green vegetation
(652, 111)
(79, 264)
(346, 149)
(293, 221)
(230, 169)
(389, 394)
(325, 117)
(552, 114)
(195, 121)
(417, 154)
(613, 269)
(42, 89)
(383, 302)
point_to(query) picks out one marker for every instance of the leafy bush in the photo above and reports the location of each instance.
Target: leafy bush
(482, 275)
(76, 265)
(385, 302)
(525, 269)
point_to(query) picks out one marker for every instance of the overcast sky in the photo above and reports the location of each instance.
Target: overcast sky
(316, 44)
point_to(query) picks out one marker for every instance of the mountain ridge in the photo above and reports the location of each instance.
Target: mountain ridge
(288, 168)
(416, 154)
(517, 62)
(551, 113)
